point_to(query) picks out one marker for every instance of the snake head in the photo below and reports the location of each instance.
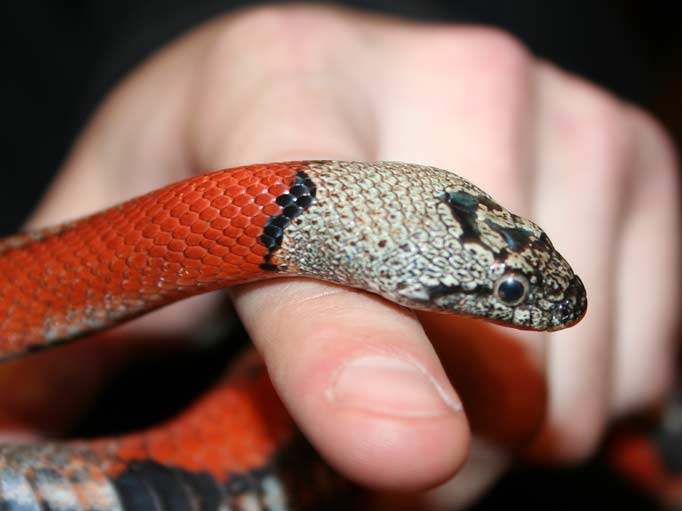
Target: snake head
(428, 239)
(493, 264)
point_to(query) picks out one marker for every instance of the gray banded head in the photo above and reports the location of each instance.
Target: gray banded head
(428, 239)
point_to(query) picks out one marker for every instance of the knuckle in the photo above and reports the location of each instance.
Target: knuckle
(263, 67)
(486, 51)
(594, 124)
(498, 46)
(603, 131)
(662, 159)
(277, 20)
(291, 37)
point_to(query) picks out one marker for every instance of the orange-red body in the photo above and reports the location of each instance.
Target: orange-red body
(197, 234)
(190, 237)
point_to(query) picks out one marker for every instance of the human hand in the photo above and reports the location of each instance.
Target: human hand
(368, 382)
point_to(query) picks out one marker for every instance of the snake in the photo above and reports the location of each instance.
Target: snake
(421, 237)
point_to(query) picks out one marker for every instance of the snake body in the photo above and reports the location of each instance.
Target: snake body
(419, 236)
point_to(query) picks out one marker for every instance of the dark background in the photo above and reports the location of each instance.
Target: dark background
(60, 59)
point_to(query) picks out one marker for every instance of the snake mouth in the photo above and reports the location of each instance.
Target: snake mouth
(572, 308)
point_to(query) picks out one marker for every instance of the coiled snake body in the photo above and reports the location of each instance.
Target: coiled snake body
(419, 236)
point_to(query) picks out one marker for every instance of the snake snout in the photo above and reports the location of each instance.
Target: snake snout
(572, 308)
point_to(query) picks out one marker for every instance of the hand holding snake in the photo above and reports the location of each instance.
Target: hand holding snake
(360, 375)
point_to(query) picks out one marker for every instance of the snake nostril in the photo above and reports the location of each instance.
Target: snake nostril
(563, 310)
(572, 308)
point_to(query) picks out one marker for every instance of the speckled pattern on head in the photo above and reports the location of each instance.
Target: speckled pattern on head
(429, 239)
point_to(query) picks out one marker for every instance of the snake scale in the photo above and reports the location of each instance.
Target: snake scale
(419, 236)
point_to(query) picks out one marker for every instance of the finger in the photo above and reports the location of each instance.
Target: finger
(582, 159)
(362, 381)
(358, 374)
(459, 99)
(648, 276)
(484, 466)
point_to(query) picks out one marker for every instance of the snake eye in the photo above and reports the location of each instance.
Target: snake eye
(512, 288)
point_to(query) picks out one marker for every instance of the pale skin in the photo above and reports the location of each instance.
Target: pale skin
(368, 382)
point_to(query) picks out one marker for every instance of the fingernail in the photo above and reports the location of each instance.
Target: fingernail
(391, 386)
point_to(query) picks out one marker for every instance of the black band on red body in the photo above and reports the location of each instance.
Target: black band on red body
(301, 196)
